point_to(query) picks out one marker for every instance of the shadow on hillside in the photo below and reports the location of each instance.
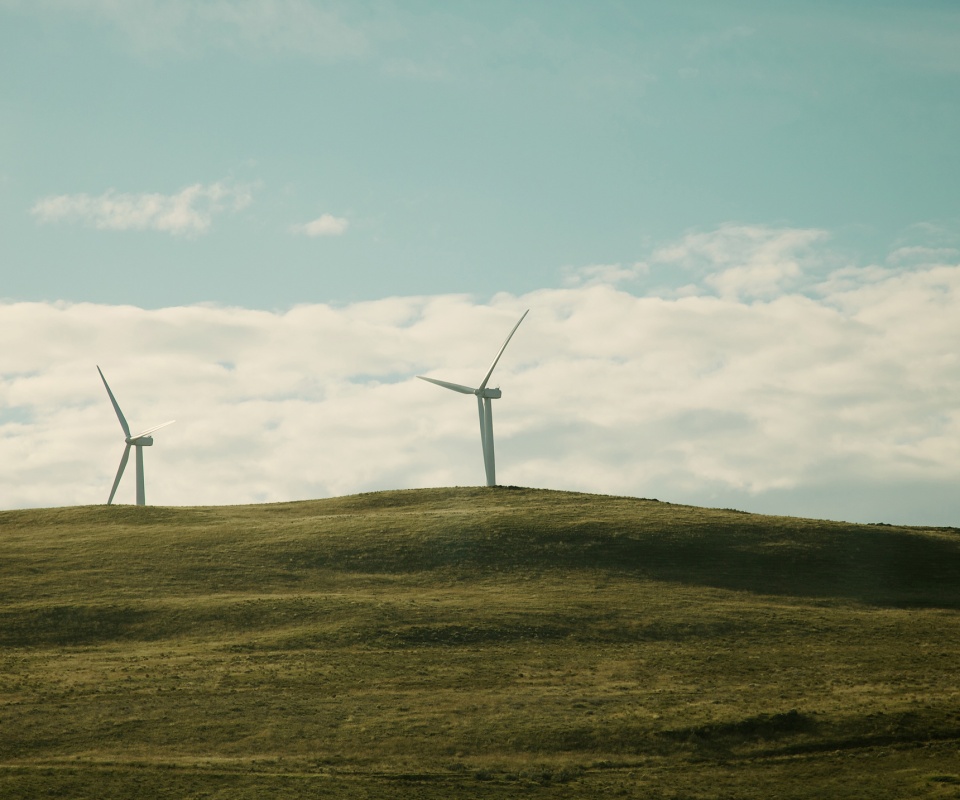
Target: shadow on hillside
(881, 567)
(870, 564)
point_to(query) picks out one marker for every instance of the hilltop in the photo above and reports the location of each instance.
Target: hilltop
(481, 642)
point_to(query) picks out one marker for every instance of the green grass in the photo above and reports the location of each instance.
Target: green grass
(475, 643)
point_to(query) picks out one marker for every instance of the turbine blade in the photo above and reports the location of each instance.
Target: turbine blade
(116, 481)
(123, 422)
(455, 386)
(154, 428)
(502, 348)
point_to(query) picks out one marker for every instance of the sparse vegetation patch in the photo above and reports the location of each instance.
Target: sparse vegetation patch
(482, 643)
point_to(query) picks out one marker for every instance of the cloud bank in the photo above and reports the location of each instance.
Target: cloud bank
(189, 211)
(838, 401)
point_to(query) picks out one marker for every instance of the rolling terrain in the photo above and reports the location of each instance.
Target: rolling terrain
(477, 642)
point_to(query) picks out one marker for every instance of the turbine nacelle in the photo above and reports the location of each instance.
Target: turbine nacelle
(145, 439)
(492, 394)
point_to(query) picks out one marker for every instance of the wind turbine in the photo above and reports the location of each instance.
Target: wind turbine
(139, 441)
(484, 396)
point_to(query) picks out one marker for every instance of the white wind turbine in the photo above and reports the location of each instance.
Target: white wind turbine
(139, 441)
(484, 396)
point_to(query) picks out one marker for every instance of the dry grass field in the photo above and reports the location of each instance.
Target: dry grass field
(475, 643)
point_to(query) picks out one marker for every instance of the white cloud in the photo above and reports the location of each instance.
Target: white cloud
(189, 211)
(841, 404)
(324, 225)
(921, 254)
(609, 274)
(746, 261)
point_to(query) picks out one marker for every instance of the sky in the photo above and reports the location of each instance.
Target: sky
(736, 226)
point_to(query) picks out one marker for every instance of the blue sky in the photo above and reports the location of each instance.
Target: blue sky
(264, 155)
(470, 147)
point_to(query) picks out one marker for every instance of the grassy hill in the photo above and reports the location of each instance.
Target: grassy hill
(475, 643)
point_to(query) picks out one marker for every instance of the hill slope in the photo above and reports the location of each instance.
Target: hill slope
(479, 642)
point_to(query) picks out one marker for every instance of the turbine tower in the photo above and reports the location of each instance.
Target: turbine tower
(139, 441)
(484, 396)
